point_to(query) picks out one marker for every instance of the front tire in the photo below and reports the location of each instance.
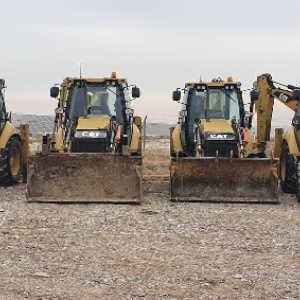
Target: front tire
(11, 162)
(287, 171)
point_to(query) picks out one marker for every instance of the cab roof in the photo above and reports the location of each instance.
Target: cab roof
(94, 79)
(216, 82)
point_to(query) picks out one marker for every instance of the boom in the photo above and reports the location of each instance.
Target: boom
(262, 99)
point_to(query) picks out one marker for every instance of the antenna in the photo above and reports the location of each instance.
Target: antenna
(79, 69)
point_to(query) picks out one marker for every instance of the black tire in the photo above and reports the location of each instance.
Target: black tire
(287, 171)
(11, 162)
(298, 195)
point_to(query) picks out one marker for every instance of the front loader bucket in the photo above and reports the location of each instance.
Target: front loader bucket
(223, 180)
(84, 178)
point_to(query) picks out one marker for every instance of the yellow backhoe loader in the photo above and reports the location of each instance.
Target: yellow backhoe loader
(287, 145)
(213, 153)
(14, 146)
(94, 152)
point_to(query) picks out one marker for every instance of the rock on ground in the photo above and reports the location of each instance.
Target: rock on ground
(156, 250)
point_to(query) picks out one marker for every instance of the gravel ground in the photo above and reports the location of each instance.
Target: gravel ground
(156, 250)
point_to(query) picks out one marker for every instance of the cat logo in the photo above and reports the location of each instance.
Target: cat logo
(218, 136)
(92, 134)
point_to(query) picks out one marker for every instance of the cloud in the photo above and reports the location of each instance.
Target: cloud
(158, 45)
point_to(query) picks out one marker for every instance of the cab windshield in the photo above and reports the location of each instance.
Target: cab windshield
(101, 100)
(213, 103)
(86, 99)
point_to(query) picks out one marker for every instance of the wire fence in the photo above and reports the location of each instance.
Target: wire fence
(44, 124)
(39, 124)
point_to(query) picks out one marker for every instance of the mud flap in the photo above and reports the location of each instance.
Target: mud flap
(84, 178)
(223, 180)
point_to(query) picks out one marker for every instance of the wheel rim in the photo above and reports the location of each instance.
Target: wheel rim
(15, 160)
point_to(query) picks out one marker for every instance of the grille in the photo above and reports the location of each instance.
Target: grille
(91, 145)
(223, 147)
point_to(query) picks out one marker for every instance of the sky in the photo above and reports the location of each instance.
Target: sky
(157, 45)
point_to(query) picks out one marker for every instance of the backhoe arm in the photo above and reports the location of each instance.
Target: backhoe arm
(263, 98)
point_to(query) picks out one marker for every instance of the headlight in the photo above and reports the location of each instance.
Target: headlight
(249, 114)
(129, 111)
(59, 111)
(183, 113)
(283, 97)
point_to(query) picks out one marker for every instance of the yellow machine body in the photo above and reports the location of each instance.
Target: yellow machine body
(14, 146)
(94, 153)
(214, 156)
(287, 144)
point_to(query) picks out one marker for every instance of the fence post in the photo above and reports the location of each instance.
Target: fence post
(144, 133)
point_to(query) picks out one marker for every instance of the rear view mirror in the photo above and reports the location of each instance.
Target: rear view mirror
(54, 92)
(135, 92)
(8, 116)
(176, 95)
(254, 95)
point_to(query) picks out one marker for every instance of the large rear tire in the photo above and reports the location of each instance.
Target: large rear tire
(11, 162)
(287, 171)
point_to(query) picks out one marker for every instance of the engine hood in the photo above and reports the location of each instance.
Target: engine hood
(93, 122)
(217, 126)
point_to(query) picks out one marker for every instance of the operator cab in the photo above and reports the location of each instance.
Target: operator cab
(216, 105)
(213, 103)
(87, 99)
(217, 99)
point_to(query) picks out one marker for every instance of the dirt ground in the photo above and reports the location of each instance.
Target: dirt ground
(156, 250)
